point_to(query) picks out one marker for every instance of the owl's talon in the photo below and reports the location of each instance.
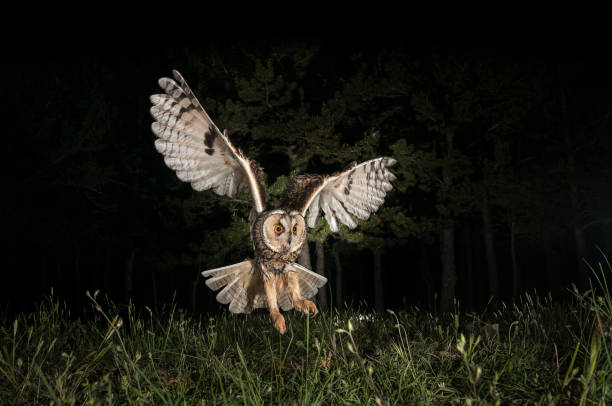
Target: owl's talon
(311, 307)
(279, 323)
(308, 307)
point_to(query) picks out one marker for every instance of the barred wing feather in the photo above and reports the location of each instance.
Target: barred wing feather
(347, 196)
(196, 150)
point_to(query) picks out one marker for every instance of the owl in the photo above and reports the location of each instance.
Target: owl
(203, 156)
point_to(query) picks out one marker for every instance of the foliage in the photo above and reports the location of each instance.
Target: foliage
(530, 136)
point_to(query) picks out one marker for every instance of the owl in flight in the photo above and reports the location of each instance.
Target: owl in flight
(200, 154)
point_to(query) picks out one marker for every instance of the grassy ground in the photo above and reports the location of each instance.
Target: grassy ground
(534, 352)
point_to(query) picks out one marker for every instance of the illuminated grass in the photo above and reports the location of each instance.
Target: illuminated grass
(533, 351)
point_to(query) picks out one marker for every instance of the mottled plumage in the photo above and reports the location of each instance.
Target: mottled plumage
(349, 195)
(194, 147)
(203, 156)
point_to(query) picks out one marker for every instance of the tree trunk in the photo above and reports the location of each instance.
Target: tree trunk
(581, 253)
(379, 299)
(490, 250)
(320, 251)
(43, 274)
(447, 237)
(194, 285)
(449, 275)
(606, 240)
(129, 276)
(194, 291)
(77, 273)
(154, 283)
(516, 276)
(578, 232)
(304, 258)
(426, 274)
(338, 281)
(94, 274)
(469, 265)
(107, 270)
(59, 282)
(549, 259)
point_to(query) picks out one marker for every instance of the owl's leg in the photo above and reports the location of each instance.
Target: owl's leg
(301, 305)
(277, 318)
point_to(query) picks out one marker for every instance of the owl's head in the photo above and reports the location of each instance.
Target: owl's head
(283, 231)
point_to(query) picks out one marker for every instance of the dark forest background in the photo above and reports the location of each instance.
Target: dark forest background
(504, 173)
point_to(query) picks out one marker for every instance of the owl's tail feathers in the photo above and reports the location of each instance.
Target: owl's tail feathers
(310, 282)
(237, 279)
(220, 277)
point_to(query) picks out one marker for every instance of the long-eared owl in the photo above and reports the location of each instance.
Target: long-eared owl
(203, 156)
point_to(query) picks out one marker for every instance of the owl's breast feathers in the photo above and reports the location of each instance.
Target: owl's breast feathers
(274, 262)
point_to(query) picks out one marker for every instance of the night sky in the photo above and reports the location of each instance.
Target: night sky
(86, 197)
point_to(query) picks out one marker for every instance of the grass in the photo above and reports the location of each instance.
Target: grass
(534, 351)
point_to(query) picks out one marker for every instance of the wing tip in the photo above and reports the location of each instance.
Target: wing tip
(208, 283)
(177, 75)
(389, 161)
(155, 99)
(321, 282)
(163, 82)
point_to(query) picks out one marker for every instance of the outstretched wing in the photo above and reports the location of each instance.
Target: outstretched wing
(346, 196)
(194, 147)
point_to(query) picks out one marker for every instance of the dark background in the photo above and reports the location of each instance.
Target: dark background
(87, 199)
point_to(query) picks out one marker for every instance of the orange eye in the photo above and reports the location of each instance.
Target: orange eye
(278, 229)
(295, 229)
